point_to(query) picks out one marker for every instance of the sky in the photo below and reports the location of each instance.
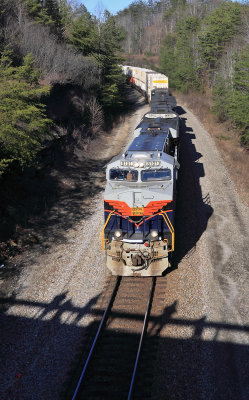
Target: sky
(112, 5)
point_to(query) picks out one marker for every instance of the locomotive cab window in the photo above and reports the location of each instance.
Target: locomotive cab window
(156, 175)
(123, 175)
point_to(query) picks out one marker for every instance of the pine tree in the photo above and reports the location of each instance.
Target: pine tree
(231, 96)
(28, 72)
(46, 12)
(219, 27)
(36, 11)
(177, 59)
(66, 14)
(51, 8)
(221, 96)
(82, 33)
(101, 39)
(113, 81)
(23, 121)
(239, 106)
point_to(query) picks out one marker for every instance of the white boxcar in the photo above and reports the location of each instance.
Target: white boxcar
(156, 81)
(146, 79)
(141, 78)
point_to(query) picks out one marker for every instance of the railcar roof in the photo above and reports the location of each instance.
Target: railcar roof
(165, 123)
(148, 142)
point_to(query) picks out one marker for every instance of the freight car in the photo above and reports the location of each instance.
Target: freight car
(145, 79)
(139, 200)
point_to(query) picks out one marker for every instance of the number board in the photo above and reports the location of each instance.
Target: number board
(136, 211)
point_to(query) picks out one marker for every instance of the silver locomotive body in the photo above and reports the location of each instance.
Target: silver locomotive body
(138, 234)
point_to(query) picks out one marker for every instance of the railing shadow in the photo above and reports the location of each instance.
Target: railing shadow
(182, 358)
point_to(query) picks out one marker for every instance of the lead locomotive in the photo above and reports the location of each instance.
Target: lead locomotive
(138, 233)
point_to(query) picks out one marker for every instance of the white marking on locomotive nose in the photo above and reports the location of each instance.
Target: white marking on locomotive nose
(137, 197)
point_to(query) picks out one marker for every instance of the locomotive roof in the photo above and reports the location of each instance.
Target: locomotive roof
(148, 142)
(162, 98)
(163, 123)
(159, 107)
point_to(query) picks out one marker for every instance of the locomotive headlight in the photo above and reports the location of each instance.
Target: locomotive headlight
(154, 233)
(141, 165)
(118, 234)
(136, 165)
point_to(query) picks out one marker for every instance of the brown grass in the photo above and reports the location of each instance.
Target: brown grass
(226, 138)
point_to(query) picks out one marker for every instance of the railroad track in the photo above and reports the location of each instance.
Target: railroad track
(110, 371)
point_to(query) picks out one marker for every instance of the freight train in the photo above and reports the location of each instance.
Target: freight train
(139, 200)
(145, 79)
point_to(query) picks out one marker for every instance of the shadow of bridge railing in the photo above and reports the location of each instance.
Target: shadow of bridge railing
(196, 357)
(59, 306)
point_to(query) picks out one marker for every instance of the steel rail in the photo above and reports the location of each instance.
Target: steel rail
(142, 337)
(108, 307)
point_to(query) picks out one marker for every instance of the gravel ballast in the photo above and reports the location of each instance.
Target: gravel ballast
(203, 336)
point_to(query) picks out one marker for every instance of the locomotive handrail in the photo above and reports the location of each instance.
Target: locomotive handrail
(103, 231)
(168, 223)
(144, 220)
(163, 213)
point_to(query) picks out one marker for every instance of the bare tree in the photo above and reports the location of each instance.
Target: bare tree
(96, 115)
(59, 61)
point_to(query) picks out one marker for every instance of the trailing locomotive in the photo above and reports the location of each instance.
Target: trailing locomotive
(138, 233)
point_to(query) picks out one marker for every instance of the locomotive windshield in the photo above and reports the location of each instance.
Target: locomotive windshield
(123, 175)
(156, 175)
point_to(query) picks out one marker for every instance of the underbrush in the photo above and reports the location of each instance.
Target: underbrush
(53, 190)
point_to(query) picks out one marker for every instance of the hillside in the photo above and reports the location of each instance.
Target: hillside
(65, 113)
(43, 44)
(201, 46)
(60, 86)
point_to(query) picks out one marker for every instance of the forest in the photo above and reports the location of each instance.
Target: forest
(47, 46)
(46, 49)
(61, 87)
(203, 46)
